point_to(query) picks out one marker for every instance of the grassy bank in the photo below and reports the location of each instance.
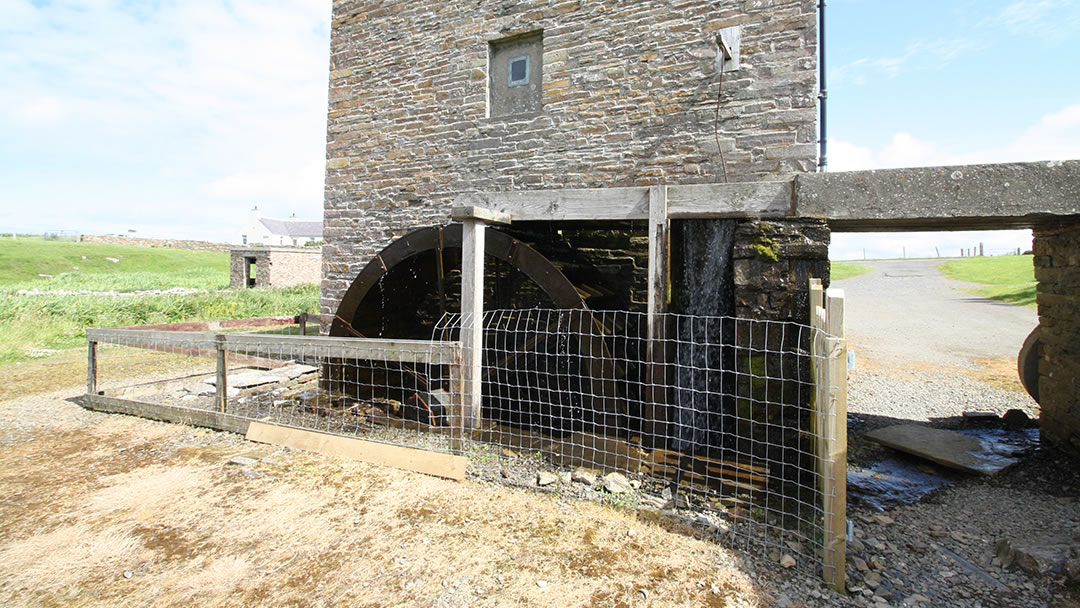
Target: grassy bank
(76, 266)
(33, 326)
(846, 270)
(1009, 278)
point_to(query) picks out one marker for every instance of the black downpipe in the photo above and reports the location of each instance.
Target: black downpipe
(822, 95)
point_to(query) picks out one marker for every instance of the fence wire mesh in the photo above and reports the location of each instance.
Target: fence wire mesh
(719, 420)
(714, 418)
(396, 392)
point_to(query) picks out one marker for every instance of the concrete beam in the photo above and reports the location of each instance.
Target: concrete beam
(966, 197)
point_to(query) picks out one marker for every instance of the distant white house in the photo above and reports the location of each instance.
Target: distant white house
(275, 232)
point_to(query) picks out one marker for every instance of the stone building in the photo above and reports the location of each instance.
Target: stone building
(433, 100)
(274, 266)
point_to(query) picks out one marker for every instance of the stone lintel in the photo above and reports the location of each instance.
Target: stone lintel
(965, 197)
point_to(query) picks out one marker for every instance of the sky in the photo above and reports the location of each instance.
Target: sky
(174, 118)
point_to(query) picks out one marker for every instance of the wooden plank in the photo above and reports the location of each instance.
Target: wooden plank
(461, 213)
(472, 312)
(409, 459)
(143, 338)
(402, 351)
(835, 492)
(565, 204)
(655, 413)
(658, 258)
(749, 199)
(167, 413)
(834, 297)
(817, 299)
(457, 400)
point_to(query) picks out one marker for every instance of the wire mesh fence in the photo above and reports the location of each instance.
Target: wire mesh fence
(398, 392)
(722, 421)
(714, 416)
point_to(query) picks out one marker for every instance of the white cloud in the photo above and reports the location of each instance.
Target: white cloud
(1055, 136)
(197, 104)
(42, 111)
(1049, 21)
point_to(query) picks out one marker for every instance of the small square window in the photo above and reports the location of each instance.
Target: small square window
(515, 75)
(519, 71)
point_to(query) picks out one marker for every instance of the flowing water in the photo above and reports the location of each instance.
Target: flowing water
(706, 292)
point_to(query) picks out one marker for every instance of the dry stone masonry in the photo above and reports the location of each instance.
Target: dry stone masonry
(628, 98)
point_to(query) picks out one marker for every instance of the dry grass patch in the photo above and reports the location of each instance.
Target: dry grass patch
(299, 530)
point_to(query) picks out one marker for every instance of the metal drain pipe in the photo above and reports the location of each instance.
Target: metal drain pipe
(822, 95)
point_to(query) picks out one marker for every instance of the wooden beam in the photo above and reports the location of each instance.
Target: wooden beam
(409, 459)
(658, 257)
(167, 413)
(565, 204)
(834, 491)
(401, 351)
(750, 199)
(461, 213)
(472, 318)
(656, 411)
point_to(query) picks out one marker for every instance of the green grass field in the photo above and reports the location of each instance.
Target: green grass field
(846, 270)
(1008, 278)
(32, 326)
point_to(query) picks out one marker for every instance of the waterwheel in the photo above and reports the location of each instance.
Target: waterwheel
(414, 282)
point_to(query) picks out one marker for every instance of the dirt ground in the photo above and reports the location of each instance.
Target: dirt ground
(109, 510)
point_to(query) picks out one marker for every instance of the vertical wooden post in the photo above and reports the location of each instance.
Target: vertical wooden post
(655, 414)
(472, 313)
(457, 403)
(91, 368)
(835, 438)
(302, 320)
(222, 380)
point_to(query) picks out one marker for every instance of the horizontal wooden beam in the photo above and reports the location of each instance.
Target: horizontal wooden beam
(402, 351)
(461, 213)
(167, 413)
(753, 199)
(564, 204)
(149, 338)
(409, 459)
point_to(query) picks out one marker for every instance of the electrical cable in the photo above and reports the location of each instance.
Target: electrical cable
(716, 120)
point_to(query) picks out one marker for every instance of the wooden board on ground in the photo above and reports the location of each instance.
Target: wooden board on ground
(409, 459)
(946, 448)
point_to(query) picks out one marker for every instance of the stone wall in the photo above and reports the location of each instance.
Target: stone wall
(629, 94)
(163, 243)
(277, 267)
(773, 262)
(1057, 270)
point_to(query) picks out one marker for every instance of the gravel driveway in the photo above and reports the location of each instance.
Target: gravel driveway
(927, 351)
(906, 311)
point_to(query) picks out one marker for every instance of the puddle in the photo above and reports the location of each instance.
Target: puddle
(893, 481)
(1005, 443)
(905, 480)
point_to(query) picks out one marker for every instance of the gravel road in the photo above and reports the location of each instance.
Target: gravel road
(906, 311)
(927, 352)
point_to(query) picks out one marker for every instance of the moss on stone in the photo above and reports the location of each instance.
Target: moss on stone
(765, 247)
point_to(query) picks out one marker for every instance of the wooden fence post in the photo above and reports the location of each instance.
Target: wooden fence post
(222, 380)
(830, 425)
(457, 401)
(656, 415)
(472, 313)
(91, 368)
